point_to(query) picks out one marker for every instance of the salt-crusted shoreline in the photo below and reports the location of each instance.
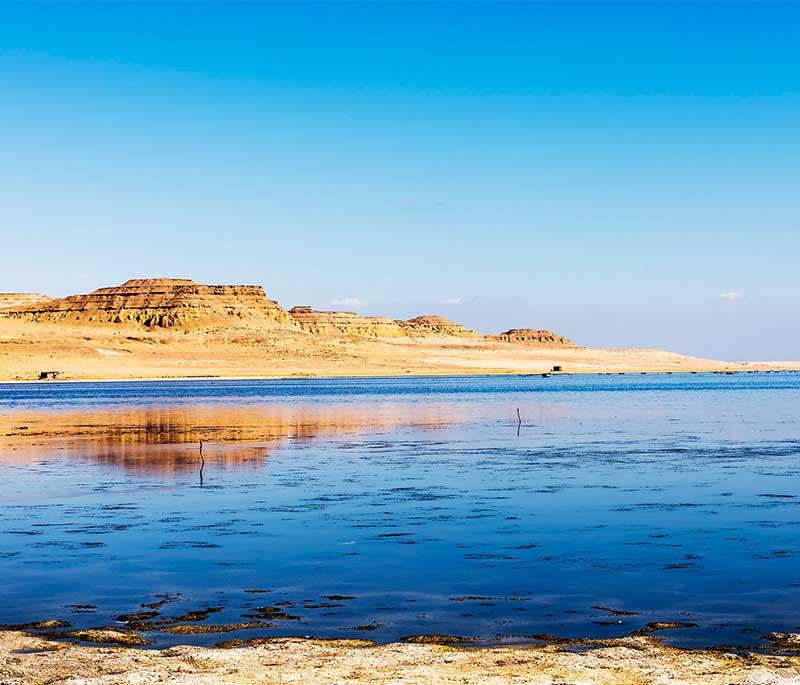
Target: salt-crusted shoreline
(29, 660)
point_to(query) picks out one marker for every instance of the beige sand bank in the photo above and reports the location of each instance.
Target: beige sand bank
(26, 660)
(97, 352)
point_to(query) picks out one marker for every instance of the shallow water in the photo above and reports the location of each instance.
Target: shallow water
(382, 508)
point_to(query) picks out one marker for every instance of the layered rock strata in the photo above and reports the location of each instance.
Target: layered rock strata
(534, 336)
(434, 325)
(345, 323)
(161, 303)
(350, 323)
(15, 300)
(180, 303)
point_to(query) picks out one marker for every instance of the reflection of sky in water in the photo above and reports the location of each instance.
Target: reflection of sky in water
(673, 496)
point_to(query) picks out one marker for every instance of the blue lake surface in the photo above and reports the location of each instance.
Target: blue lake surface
(384, 508)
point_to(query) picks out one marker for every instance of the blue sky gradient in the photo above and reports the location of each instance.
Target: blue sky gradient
(623, 173)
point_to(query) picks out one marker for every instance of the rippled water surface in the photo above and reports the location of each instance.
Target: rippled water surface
(384, 508)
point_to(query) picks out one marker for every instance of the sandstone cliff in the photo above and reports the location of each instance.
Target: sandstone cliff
(532, 336)
(160, 302)
(350, 323)
(345, 323)
(434, 325)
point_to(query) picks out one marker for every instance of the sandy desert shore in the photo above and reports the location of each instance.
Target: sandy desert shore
(28, 660)
(96, 353)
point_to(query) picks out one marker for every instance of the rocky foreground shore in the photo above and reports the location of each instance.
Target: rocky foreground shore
(29, 660)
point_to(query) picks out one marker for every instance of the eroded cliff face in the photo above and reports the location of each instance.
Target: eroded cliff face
(534, 336)
(15, 300)
(345, 323)
(352, 324)
(435, 325)
(160, 303)
(184, 305)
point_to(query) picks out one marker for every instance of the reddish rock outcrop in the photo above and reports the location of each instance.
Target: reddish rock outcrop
(533, 336)
(163, 303)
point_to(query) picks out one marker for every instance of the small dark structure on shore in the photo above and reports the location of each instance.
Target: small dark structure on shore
(556, 369)
(49, 375)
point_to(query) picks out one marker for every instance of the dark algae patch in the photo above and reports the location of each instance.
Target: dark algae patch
(657, 626)
(198, 615)
(276, 612)
(47, 624)
(615, 612)
(205, 628)
(137, 616)
(374, 625)
(161, 599)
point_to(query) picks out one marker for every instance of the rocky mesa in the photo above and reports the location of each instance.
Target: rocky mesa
(352, 324)
(160, 303)
(535, 336)
(345, 323)
(435, 325)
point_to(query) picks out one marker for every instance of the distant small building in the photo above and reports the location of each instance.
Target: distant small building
(49, 375)
(557, 368)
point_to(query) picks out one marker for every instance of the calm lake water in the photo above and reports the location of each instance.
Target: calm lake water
(383, 508)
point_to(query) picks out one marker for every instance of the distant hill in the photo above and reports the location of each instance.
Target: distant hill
(535, 336)
(183, 304)
(16, 300)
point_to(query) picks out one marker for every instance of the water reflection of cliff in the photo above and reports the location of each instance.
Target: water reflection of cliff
(167, 438)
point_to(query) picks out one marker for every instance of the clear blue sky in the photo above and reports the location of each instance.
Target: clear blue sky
(625, 174)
